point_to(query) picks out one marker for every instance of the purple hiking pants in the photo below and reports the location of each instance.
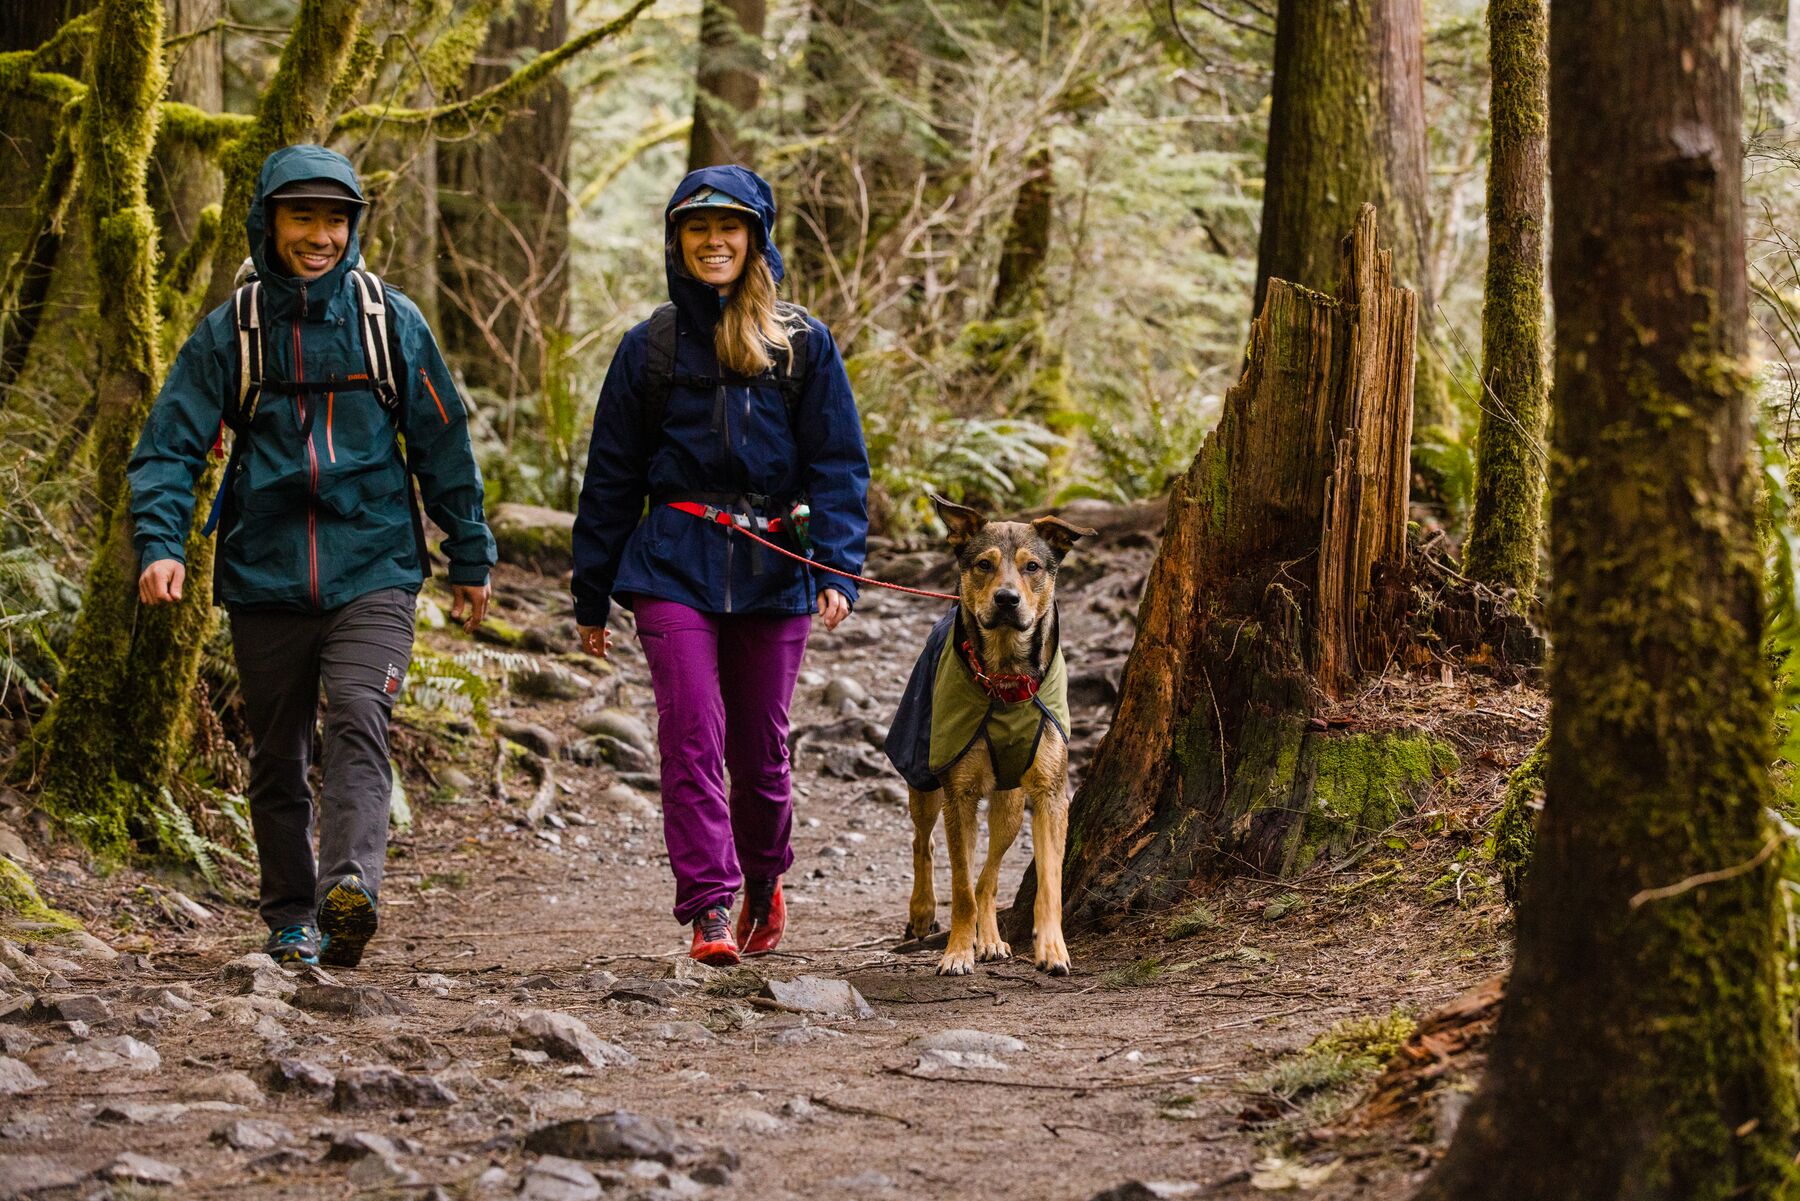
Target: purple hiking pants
(723, 683)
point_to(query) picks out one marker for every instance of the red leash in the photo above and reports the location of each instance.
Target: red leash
(725, 519)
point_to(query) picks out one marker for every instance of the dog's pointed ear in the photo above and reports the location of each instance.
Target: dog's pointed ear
(1060, 534)
(960, 520)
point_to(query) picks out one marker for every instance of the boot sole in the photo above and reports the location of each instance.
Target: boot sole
(347, 921)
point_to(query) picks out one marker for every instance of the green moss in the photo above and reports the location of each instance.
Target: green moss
(1361, 783)
(545, 548)
(20, 902)
(1314, 1084)
(1196, 917)
(500, 632)
(1514, 833)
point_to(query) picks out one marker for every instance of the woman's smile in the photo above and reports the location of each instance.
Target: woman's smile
(714, 247)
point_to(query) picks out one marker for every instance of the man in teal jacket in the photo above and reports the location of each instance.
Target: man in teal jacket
(319, 563)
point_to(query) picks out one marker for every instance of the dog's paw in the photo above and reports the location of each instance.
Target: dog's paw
(925, 929)
(957, 963)
(987, 952)
(1052, 956)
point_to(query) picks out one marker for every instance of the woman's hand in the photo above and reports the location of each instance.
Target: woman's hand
(833, 608)
(595, 640)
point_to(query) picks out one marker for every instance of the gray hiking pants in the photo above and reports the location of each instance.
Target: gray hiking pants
(358, 653)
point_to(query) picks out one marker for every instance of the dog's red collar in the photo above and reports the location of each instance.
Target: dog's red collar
(1007, 688)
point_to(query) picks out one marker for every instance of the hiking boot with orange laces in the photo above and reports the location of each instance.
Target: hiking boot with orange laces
(763, 917)
(712, 938)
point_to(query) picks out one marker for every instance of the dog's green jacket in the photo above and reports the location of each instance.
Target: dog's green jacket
(944, 712)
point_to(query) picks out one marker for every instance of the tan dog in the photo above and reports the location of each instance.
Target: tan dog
(986, 714)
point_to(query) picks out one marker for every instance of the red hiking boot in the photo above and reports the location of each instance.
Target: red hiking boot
(712, 939)
(763, 917)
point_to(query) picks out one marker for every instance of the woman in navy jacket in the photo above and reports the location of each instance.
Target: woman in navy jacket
(752, 416)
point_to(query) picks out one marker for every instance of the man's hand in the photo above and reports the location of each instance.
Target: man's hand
(161, 582)
(475, 597)
(595, 640)
(833, 608)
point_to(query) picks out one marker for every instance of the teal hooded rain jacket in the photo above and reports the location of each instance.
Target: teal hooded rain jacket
(316, 517)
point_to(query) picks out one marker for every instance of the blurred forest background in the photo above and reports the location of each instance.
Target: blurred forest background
(1033, 228)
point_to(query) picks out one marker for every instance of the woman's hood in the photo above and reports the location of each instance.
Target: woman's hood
(698, 302)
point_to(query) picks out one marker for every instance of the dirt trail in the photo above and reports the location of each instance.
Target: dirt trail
(1130, 1069)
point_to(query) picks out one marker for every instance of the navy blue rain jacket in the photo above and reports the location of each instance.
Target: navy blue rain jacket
(745, 445)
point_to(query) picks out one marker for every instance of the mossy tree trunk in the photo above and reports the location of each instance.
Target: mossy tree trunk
(1347, 128)
(1280, 579)
(1509, 478)
(124, 701)
(119, 707)
(1027, 242)
(503, 212)
(1642, 1052)
(727, 83)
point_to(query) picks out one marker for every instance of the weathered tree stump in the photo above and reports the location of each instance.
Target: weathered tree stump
(1281, 580)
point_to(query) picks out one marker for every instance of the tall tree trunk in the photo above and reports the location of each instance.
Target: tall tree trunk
(1509, 476)
(1027, 242)
(1280, 576)
(184, 179)
(1642, 1051)
(129, 676)
(825, 224)
(727, 83)
(113, 725)
(503, 209)
(1347, 128)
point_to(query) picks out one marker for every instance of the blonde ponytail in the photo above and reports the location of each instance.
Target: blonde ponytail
(750, 328)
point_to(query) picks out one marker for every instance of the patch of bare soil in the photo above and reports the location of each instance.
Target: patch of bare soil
(530, 987)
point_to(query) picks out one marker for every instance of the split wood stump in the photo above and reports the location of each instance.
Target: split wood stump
(1280, 582)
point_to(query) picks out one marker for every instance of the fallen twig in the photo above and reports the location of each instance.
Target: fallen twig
(857, 1111)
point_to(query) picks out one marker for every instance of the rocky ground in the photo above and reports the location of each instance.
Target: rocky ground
(528, 1024)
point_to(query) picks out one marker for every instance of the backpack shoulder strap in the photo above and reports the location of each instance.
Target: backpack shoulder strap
(659, 369)
(247, 316)
(378, 357)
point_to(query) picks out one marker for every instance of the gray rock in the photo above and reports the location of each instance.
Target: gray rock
(602, 748)
(553, 1178)
(23, 1175)
(531, 737)
(844, 689)
(138, 1113)
(799, 1036)
(350, 1000)
(566, 1037)
(536, 1059)
(969, 1040)
(490, 1021)
(249, 1134)
(282, 1160)
(642, 781)
(815, 994)
(750, 1121)
(432, 980)
(550, 684)
(680, 1032)
(348, 1147)
(809, 679)
(378, 1171)
(286, 1075)
(244, 968)
(533, 536)
(17, 1077)
(383, 1087)
(616, 723)
(714, 1174)
(599, 981)
(411, 1049)
(141, 1169)
(83, 945)
(869, 1181)
(16, 1040)
(616, 1135)
(887, 792)
(936, 1059)
(14, 848)
(121, 1052)
(234, 1087)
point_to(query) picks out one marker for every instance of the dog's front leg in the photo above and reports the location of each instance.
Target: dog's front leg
(1006, 813)
(921, 915)
(959, 831)
(1049, 833)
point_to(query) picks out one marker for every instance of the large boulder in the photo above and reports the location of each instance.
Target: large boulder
(533, 536)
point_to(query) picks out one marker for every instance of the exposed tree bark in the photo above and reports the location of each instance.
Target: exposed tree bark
(27, 283)
(727, 83)
(825, 225)
(1347, 128)
(1027, 236)
(503, 209)
(1509, 479)
(1642, 1051)
(1281, 577)
(184, 179)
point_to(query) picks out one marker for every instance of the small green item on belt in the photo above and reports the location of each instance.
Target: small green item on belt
(799, 524)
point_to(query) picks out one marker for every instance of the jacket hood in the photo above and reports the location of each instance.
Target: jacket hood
(289, 165)
(696, 301)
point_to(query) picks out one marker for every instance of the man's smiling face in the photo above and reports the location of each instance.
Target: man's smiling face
(310, 235)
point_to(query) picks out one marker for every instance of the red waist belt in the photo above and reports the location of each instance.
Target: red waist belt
(718, 516)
